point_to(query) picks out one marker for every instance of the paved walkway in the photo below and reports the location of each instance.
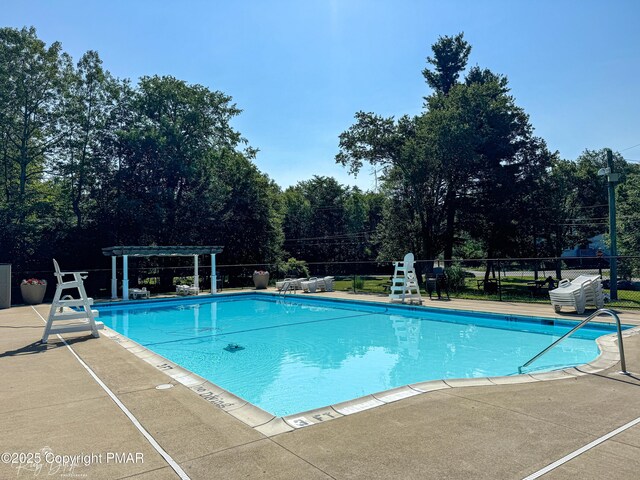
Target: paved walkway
(50, 403)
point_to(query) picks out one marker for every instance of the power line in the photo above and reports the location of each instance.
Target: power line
(326, 244)
(581, 224)
(629, 148)
(588, 219)
(329, 237)
(594, 206)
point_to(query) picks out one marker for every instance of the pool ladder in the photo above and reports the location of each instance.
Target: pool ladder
(597, 313)
(287, 287)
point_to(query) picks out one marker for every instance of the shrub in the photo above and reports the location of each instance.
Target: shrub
(456, 276)
(292, 268)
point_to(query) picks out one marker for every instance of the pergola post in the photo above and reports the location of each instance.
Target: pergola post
(125, 277)
(196, 278)
(214, 277)
(114, 280)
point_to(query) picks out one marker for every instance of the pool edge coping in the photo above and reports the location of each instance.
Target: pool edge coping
(271, 425)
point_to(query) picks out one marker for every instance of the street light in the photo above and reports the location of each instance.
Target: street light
(612, 180)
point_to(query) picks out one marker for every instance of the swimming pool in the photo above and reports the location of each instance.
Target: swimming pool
(304, 353)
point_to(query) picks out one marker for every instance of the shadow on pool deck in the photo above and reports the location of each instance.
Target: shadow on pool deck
(48, 400)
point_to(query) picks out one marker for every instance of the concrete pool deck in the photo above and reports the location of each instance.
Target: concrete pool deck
(48, 400)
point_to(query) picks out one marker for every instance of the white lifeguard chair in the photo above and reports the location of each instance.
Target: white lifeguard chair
(404, 285)
(62, 308)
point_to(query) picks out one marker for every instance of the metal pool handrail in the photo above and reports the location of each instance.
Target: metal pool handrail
(597, 313)
(288, 285)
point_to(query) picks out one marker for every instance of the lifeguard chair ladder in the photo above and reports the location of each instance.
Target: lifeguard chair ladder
(404, 285)
(61, 309)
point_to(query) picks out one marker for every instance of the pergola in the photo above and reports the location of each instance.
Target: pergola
(152, 251)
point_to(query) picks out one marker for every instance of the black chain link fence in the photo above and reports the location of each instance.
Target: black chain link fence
(513, 280)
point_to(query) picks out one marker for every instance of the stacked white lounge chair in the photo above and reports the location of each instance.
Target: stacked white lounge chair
(187, 290)
(326, 284)
(594, 295)
(583, 291)
(139, 293)
(286, 283)
(290, 284)
(315, 284)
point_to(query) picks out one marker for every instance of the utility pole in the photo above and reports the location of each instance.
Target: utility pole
(613, 179)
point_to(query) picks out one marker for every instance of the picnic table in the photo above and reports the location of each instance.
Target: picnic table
(537, 286)
(488, 286)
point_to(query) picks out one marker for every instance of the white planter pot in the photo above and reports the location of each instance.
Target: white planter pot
(260, 281)
(33, 294)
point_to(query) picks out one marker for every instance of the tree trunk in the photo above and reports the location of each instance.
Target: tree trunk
(487, 272)
(535, 256)
(75, 204)
(450, 202)
(427, 243)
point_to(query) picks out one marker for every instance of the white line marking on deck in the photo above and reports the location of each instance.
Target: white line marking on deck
(172, 463)
(580, 451)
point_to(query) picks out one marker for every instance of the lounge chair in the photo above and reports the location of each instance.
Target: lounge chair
(139, 293)
(310, 285)
(293, 283)
(578, 293)
(326, 284)
(297, 283)
(284, 283)
(187, 290)
(568, 295)
(594, 295)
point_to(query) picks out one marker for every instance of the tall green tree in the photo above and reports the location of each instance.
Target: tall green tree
(325, 221)
(316, 232)
(506, 164)
(408, 170)
(248, 220)
(30, 110)
(580, 199)
(461, 166)
(88, 160)
(628, 201)
(90, 97)
(450, 56)
(174, 134)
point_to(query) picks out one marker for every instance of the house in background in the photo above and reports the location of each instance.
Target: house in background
(586, 255)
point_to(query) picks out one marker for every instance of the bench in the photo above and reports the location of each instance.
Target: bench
(489, 286)
(535, 287)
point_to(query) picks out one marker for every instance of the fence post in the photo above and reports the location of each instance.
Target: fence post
(354, 281)
(499, 282)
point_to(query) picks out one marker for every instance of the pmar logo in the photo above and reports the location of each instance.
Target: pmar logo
(125, 457)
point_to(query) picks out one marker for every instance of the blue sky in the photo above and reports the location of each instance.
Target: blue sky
(300, 69)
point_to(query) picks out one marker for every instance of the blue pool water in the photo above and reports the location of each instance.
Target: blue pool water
(308, 353)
